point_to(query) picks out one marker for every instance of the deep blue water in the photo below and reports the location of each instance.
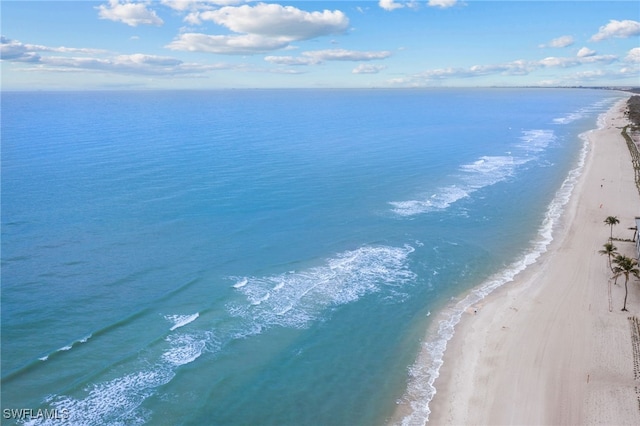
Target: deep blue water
(263, 257)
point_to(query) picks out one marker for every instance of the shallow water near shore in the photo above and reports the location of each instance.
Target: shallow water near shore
(262, 257)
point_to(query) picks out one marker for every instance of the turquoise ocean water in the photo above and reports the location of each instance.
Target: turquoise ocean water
(265, 257)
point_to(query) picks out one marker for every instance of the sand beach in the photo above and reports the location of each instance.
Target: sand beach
(553, 346)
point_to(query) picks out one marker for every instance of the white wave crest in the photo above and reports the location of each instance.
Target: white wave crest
(570, 118)
(295, 298)
(426, 369)
(536, 140)
(112, 402)
(181, 320)
(291, 299)
(486, 171)
(184, 349)
(598, 106)
(117, 401)
(240, 283)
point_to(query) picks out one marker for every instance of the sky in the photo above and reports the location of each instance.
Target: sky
(218, 44)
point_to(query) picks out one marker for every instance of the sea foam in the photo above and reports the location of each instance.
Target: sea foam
(290, 299)
(223, 195)
(424, 372)
(485, 171)
(181, 320)
(116, 401)
(293, 299)
(536, 140)
(185, 348)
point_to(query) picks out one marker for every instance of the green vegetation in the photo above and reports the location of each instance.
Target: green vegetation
(619, 264)
(633, 114)
(611, 221)
(609, 250)
(633, 110)
(625, 266)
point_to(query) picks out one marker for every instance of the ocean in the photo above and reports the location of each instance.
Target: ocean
(264, 257)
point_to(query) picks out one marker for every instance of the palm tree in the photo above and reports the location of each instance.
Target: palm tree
(625, 266)
(610, 250)
(611, 220)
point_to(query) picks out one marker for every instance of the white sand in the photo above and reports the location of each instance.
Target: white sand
(553, 347)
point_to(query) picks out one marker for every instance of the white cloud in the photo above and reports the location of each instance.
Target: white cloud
(368, 69)
(585, 52)
(273, 20)
(593, 75)
(561, 62)
(567, 62)
(513, 68)
(315, 57)
(136, 63)
(518, 67)
(132, 14)
(346, 55)
(290, 60)
(196, 7)
(442, 3)
(193, 18)
(633, 55)
(63, 49)
(183, 5)
(260, 28)
(390, 5)
(15, 50)
(247, 44)
(131, 64)
(632, 71)
(98, 60)
(618, 29)
(604, 59)
(563, 41)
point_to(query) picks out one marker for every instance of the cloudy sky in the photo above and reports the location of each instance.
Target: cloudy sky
(209, 44)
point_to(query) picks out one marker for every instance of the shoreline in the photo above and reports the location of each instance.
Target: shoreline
(478, 375)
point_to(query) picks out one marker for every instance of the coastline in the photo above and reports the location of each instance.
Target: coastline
(545, 346)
